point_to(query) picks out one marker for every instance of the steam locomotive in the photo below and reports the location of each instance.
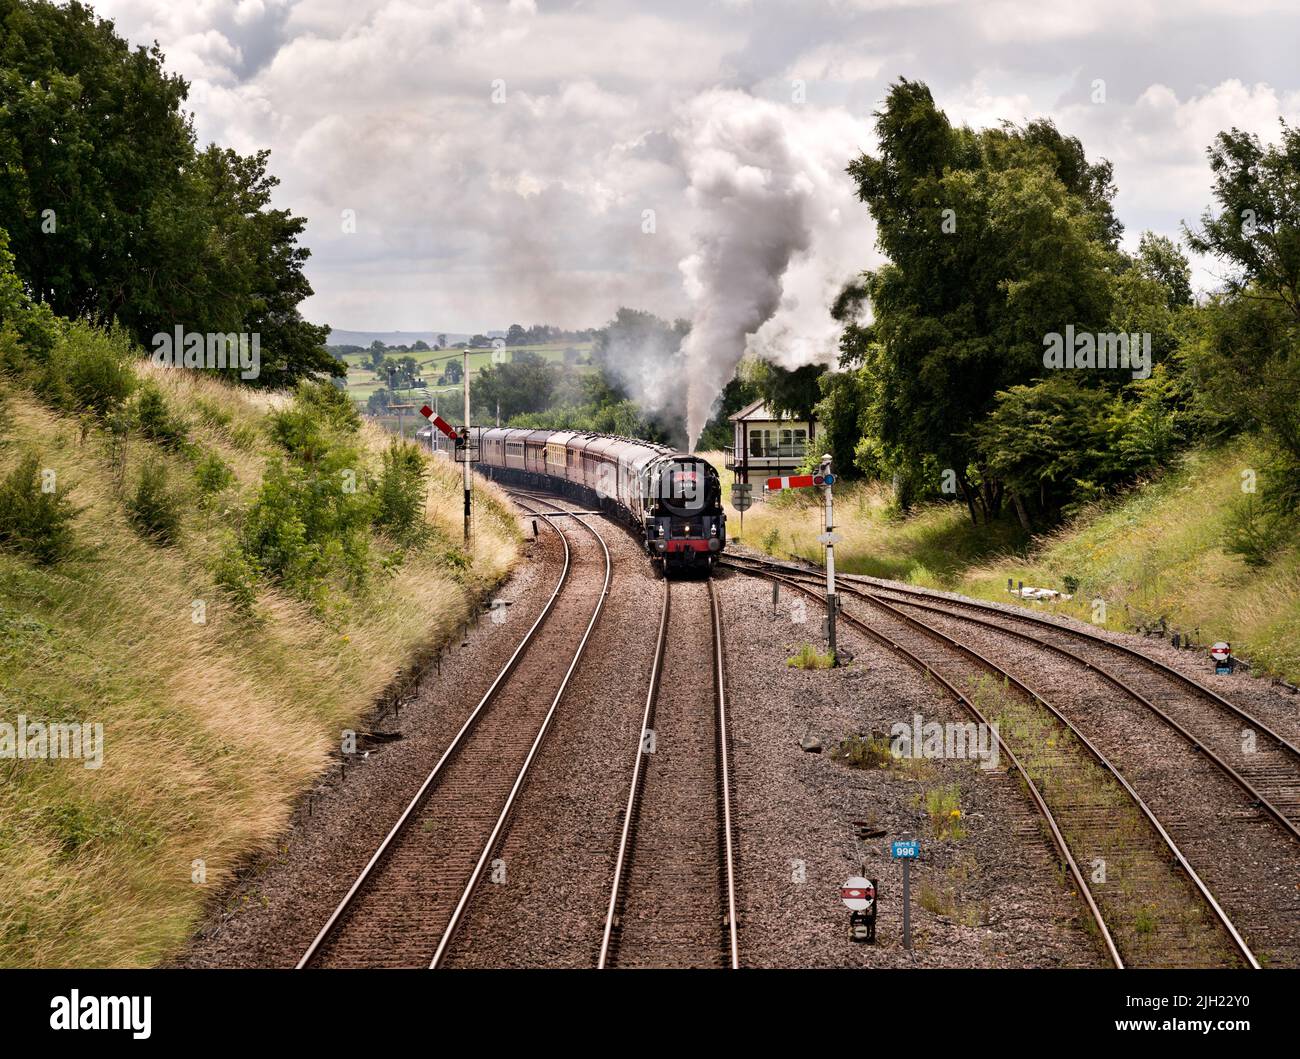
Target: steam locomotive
(673, 500)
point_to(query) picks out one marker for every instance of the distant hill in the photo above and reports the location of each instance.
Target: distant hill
(339, 337)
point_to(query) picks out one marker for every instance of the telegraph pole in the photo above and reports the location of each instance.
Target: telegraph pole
(465, 380)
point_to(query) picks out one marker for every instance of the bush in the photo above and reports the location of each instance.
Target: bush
(33, 522)
(28, 330)
(238, 575)
(307, 523)
(155, 420)
(331, 404)
(400, 497)
(212, 475)
(319, 413)
(89, 370)
(1254, 532)
(153, 509)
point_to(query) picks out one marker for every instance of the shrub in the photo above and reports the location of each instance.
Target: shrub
(89, 370)
(212, 475)
(320, 411)
(309, 523)
(28, 330)
(155, 419)
(238, 575)
(153, 509)
(399, 496)
(1254, 531)
(33, 522)
(331, 404)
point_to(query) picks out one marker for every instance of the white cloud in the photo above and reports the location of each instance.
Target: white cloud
(474, 214)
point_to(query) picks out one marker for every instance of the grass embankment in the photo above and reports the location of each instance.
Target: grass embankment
(211, 729)
(1157, 552)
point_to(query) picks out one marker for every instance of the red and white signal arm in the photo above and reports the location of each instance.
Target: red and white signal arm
(857, 894)
(793, 481)
(439, 422)
(1221, 651)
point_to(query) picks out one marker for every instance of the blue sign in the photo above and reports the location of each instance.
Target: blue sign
(909, 850)
(828, 479)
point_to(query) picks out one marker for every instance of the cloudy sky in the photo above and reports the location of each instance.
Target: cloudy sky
(532, 161)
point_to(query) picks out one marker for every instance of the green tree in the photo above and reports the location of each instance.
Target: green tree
(93, 131)
(1256, 232)
(788, 393)
(994, 239)
(524, 385)
(116, 216)
(1159, 258)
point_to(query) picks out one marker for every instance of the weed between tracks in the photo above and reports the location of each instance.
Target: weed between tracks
(810, 658)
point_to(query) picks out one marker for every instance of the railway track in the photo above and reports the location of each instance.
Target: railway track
(672, 900)
(404, 907)
(1155, 910)
(673, 896)
(1268, 773)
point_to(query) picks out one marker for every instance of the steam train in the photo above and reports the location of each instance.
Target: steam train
(673, 500)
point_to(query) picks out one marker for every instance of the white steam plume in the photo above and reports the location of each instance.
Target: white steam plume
(779, 233)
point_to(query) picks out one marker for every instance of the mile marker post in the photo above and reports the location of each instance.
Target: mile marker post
(907, 850)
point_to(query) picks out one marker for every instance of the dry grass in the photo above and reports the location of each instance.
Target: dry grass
(1159, 553)
(933, 545)
(210, 730)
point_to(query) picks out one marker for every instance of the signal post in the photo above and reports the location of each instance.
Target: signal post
(823, 479)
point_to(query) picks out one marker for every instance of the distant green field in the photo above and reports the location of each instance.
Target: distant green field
(362, 382)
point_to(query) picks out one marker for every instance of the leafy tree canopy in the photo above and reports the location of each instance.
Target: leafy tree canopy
(994, 238)
(1256, 232)
(114, 214)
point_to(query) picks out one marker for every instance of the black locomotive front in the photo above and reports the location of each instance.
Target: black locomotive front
(684, 522)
